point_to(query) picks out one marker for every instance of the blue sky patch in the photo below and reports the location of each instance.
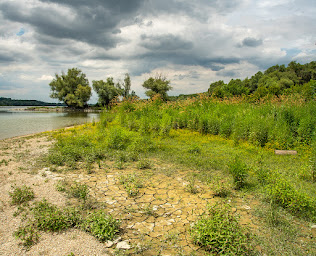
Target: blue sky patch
(21, 32)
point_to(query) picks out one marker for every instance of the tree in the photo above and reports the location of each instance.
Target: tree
(126, 85)
(158, 85)
(106, 91)
(215, 86)
(71, 88)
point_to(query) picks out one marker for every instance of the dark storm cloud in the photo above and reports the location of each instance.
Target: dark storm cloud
(94, 22)
(166, 42)
(6, 58)
(191, 74)
(227, 73)
(251, 42)
(198, 9)
(13, 56)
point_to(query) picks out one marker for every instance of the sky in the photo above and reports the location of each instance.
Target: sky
(192, 43)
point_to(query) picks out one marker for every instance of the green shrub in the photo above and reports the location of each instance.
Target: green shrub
(218, 231)
(144, 164)
(21, 195)
(118, 139)
(48, 217)
(194, 149)
(102, 226)
(28, 235)
(131, 183)
(283, 193)
(239, 171)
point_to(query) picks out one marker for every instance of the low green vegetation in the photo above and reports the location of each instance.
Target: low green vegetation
(219, 232)
(47, 217)
(132, 183)
(101, 225)
(228, 145)
(21, 195)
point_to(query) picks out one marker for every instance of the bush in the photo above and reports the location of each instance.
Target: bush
(131, 183)
(28, 234)
(219, 232)
(282, 192)
(21, 195)
(118, 139)
(48, 217)
(239, 171)
(102, 226)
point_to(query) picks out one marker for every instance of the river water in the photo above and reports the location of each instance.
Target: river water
(16, 121)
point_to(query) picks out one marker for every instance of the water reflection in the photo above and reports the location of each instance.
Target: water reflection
(15, 122)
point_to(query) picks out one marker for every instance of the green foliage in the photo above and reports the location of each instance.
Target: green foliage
(239, 171)
(131, 183)
(144, 164)
(158, 85)
(276, 80)
(218, 231)
(281, 192)
(118, 139)
(28, 235)
(221, 187)
(191, 187)
(127, 86)
(72, 88)
(102, 226)
(21, 195)
(312, 160)
(106, 91)
(47, 217)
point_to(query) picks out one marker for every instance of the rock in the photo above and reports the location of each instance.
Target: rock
(124, 245)
(117, 240)
(169, 222)
(108, 244)
(285, 152)
(246, 207)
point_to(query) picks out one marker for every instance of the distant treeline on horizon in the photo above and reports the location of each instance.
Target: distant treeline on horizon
(12, 102)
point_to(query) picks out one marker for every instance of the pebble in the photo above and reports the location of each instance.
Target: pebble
(123, 245)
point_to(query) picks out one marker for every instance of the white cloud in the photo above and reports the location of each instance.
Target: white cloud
(193, 42)
(46, 78)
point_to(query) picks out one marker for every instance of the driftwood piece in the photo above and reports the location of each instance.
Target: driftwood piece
(285, 152)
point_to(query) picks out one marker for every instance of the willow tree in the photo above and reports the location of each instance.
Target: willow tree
(157, 85)
(71, 88)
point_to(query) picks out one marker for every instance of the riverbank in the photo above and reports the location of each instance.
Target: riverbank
(62, 109)
(158, 187)
(161, 213)
(21, 164)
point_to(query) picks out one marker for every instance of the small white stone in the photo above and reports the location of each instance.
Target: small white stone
(246, 207)
(123, 245)
(108, 244)
(117, 240)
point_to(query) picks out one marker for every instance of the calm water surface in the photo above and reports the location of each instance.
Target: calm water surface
(16, 122)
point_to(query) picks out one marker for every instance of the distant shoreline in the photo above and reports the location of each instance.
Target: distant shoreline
(53, 109)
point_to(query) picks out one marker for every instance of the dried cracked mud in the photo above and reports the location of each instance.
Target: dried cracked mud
(154, 222)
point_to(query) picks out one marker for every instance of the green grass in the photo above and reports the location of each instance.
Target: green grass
(225, 145)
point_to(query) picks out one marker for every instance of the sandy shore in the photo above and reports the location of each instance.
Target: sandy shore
(20, 165)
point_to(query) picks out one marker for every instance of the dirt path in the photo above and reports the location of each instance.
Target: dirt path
(155, 222)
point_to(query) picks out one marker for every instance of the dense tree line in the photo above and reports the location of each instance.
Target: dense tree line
(73, 88)
(276, 80)
(13, 102)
